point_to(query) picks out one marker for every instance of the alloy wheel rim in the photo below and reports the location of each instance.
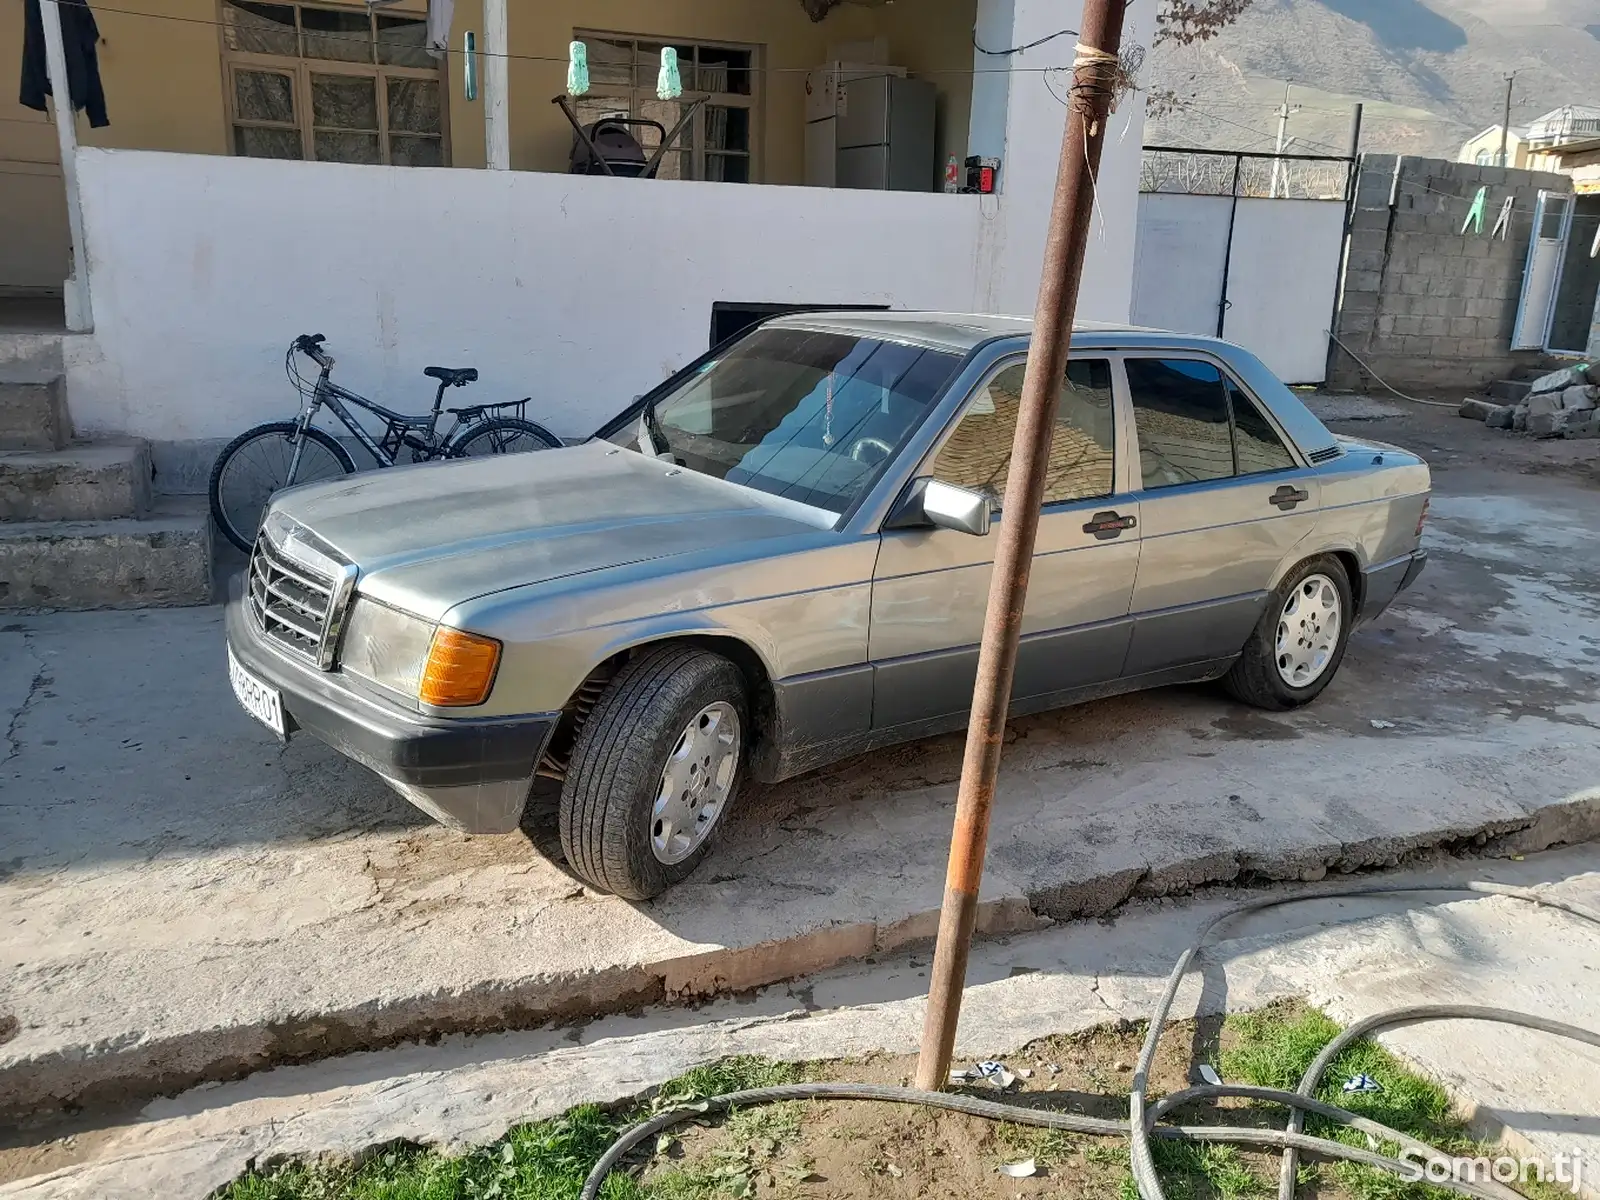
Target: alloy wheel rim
(695, 783)
(1308, 631)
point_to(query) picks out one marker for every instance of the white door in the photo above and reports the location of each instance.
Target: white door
(1552, 219)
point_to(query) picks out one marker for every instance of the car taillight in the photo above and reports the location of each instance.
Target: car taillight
(1423, 515)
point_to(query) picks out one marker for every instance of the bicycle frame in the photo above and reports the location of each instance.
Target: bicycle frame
(329, 395)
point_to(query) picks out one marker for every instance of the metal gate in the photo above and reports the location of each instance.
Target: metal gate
(1246, 247)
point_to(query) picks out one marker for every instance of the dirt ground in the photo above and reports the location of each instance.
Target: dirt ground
(858, 1150)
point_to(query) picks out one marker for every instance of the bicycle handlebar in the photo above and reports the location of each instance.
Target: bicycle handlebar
(310, 344)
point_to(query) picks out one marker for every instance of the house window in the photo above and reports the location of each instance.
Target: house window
(332, 84)
(719, 143)
(1483, 158)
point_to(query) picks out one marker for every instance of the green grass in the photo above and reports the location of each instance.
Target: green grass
(549, 1160)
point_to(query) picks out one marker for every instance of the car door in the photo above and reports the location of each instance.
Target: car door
(931, 586)
(1223, 502)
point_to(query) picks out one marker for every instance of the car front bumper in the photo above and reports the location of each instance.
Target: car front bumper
(471, 773)
(1382, 583)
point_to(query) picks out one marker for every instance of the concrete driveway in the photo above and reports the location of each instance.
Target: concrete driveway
(181, 900)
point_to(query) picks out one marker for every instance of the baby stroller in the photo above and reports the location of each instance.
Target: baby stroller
(608, 146)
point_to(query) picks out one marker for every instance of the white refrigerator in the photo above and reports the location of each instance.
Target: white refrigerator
(868, 126)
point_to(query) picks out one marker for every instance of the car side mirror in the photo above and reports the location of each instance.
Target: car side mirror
(943, 506)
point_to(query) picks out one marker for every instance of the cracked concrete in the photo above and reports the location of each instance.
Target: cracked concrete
(181, 900)
(1351, 957)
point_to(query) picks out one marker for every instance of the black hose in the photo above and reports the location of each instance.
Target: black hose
(1141, 1125)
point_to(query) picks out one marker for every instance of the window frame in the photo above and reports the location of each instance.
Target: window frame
(301, 68)
(697, 152)
(1120, 482)
(1229, 379)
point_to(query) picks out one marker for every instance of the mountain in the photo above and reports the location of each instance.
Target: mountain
(1431, 73)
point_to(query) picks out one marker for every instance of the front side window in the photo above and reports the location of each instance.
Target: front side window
(719, 141)
(333, 84)
(977, 455)
(810, 416)
(1195, 424)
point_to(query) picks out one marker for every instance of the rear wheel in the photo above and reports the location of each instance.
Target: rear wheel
(1297, 647)
(503, 435)
(656, 767)
(257, 463)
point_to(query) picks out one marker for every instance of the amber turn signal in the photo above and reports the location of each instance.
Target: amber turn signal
(460, 669)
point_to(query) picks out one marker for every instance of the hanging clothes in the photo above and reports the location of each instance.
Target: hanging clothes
(440, 15)
(79, 33)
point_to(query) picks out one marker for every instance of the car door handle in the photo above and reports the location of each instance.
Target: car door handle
(1286, 497)
(1106, 525)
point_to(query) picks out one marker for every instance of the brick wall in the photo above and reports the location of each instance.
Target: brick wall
(1423, 303)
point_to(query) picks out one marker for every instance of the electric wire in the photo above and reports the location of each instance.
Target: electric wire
(1142, 1123)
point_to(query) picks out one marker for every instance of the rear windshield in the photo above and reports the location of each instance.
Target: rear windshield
(812, 417)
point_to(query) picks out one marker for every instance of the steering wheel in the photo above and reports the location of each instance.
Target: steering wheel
(871, 443)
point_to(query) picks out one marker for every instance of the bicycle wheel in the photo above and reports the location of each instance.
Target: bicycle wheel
(256, 464)
(503, 435)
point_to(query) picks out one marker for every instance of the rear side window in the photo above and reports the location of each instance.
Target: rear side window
(1180, 407)
(978, 453)
(1195, 424)
(1256, 442)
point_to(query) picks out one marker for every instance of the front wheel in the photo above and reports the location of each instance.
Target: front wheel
(503, 435)
(1300, 641)
(655, 769)
(257, 463)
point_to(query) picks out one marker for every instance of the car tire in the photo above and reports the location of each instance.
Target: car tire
(651, 719)
(1292, 654)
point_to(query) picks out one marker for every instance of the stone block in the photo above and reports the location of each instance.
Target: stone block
(1547, 424)
(1584, 425)
(1419, 346)
(1361, 280)
(1501, 416)
(1414, 285)
(1558, 381)
(1540, 403)
(1476, 246)
(1435, 326)
(1463, 327)
(1519, 419)
(1408, 326)
(1477, 410)
(1370, 218)
(1363, 260)
(1578, 398)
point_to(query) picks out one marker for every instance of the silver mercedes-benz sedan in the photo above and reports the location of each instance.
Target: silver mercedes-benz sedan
(781, 556)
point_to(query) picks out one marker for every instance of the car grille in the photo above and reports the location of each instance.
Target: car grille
(293, 605)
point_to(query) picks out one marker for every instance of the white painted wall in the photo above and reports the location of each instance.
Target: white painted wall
(578, 291)
(1281, 279)
(1035, 119)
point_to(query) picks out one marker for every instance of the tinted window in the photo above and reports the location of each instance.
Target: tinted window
(978, 453)
(1180, 408)
(1256, 444)
(813, 417)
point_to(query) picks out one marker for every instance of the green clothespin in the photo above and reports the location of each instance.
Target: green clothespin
(577, 69)
(1475, 216)
(669, 85)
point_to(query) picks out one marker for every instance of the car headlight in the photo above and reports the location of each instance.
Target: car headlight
(443, 667)
(386, 646)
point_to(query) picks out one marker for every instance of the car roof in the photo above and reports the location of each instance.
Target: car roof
(960, 332)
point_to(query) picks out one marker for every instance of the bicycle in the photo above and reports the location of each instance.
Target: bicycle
(280, 454)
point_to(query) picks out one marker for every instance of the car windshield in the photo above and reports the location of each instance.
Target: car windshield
(812, 417)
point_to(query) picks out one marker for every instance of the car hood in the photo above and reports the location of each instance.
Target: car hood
(429, 537)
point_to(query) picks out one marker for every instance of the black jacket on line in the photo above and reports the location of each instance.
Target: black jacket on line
(80, 34)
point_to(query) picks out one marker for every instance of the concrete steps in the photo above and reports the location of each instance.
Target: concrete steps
(158, 560)
(93, 481)
(79, 526)
(33, 408)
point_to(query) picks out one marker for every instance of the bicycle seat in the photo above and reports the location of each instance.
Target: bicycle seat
(452, 376)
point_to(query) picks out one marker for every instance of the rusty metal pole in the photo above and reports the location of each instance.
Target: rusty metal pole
(1093, 86)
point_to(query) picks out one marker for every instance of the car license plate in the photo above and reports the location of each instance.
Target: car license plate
(260, 701)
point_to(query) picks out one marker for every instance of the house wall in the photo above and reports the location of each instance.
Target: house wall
(1423, 303)
(1516, 149)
